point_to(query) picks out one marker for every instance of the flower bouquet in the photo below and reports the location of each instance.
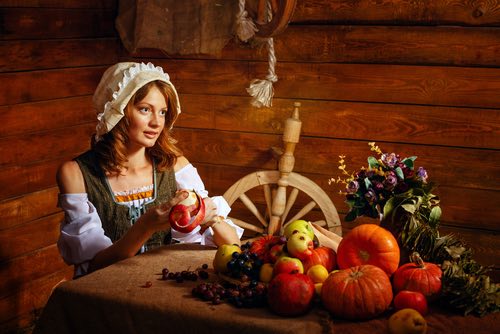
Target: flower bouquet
(390, 189)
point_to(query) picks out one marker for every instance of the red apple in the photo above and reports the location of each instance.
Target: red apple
(290, 294)
(299, 245)
(262, 247)
(411, 299)
(321, 255)
(288, 265)
(276, 252)
(188, 214)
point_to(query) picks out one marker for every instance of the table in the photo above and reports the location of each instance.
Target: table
(114, 300)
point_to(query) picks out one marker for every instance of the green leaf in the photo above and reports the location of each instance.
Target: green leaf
(350, 203)
(418, 192)
(373, 163)
(411, 208)
(368, 183)
(409, 162)
(435, 215)
(351, 215)
(399, 173)
(388, 207)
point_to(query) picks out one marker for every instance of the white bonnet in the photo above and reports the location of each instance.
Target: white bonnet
(118, 84)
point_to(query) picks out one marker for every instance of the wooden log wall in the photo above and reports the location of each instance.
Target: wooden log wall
(52, 56)
(419, 78)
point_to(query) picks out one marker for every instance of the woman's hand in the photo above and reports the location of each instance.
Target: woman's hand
(156, 218)
(210, 210)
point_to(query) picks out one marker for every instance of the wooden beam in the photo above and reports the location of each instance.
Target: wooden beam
(416, 45)
(29, 23)
(431, 12)
(23, 55)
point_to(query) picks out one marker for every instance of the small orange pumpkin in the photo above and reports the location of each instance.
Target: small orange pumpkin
(369, 244)
(357, 293)
(420, 276)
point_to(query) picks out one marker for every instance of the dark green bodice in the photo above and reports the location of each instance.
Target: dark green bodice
(115, 218)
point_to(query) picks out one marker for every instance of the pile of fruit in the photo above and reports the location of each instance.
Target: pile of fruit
(357, 277)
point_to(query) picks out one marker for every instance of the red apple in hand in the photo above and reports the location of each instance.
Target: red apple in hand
(411, 299)
(299, 245)
(288, 265)
(188, 214)
(290, 294)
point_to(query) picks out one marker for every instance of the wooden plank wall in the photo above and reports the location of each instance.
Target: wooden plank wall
(52, 56)
(419, 78)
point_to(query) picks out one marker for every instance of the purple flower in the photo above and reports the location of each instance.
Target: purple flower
(378, 186)
(390, 181)
(370, 196)
(408, 173)
(352, 187)
(361, 174)
(422, 174)
(390, 160)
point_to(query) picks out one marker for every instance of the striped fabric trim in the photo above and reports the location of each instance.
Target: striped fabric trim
(132, 197)
(145, 192)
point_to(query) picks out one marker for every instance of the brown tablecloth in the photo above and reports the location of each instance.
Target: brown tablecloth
(114, 300)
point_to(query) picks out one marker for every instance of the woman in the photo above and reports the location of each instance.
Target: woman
(117, 196)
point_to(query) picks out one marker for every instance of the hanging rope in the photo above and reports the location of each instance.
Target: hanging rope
(245, 28)
(261, 90)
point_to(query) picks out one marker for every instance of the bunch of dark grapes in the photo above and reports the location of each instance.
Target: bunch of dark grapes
(244, 266)
(249, 295)
(185, 275)
(253, 294)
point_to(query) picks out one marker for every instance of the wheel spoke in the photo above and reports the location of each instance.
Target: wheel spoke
(321, 223)
(252, 239)
(253, 209)
(290, 202)
(308, 207)
(246, 225)
(267, 196)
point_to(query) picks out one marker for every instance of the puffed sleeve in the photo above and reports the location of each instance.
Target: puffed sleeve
(82, 235)
(188, 178)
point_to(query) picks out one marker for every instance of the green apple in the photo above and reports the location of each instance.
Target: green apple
(298, 226)
(299, 245)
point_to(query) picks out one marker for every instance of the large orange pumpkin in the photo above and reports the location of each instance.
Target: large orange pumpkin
(424, 277)
(321, 255)
(369, 244)
(357, 293)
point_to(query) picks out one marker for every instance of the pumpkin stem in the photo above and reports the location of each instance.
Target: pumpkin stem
(417, 259)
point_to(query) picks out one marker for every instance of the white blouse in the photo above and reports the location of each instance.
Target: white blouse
(82, 235)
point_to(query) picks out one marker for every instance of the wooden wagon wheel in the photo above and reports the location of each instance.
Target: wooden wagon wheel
(281, 14)
(278, 206)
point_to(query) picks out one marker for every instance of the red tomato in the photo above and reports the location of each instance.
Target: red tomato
(411, 299)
